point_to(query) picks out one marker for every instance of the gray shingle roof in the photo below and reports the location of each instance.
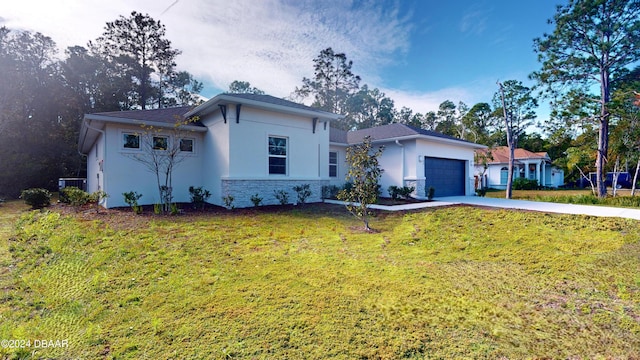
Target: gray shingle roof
(337, 135)
(166, 115)
(273, 100)
(392, 131)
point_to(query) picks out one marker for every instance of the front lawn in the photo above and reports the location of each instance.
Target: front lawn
(307, 283)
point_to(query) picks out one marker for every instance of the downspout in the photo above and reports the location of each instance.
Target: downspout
(402, 163)
(104, 153)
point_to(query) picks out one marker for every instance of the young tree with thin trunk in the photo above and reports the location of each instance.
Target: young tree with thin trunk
(592, 43)
(517, 105)
(364, 173)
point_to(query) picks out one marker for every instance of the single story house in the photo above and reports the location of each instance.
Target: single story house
(242, 145)
(413, 157)
(492, 168)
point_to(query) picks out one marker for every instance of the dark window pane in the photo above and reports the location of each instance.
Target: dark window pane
(333, 157)
(277, 146)
(333, 170)
(131, 141)
(277, 165)
(186, 145)
(160, 143)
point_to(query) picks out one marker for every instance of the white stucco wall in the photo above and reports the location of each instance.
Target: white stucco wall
(215, 161)
(123, 174)
(95, 179)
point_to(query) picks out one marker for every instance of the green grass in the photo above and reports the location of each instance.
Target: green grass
(453, 282)
(583, 197)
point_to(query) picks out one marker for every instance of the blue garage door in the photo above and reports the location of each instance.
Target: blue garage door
(446, 176)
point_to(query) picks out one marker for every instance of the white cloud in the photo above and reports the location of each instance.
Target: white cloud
(270, 43)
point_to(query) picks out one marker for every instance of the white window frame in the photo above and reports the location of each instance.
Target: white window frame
(159, 136)
(334, 165)
(285, 156)
(193, 145)
(122, 142)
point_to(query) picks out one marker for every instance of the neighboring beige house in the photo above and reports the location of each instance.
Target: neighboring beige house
(246, 144)
(528, 165)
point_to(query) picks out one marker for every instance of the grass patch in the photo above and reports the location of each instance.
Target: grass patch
(581, 197)
(445, 283)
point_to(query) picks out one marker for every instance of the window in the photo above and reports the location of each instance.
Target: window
(277, 155)
(186, 145)
(504, 175)
(160, 143)
(333, 164)
(130, 141)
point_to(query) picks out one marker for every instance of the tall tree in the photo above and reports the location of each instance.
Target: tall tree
(37, 119)
(516, 104)
(367, 108)
(139, 47)
(480, 124)
(332, 84)
(243, 87)
(593, 41)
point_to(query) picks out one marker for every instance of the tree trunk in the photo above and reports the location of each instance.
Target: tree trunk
(603, 133)
(510, 143)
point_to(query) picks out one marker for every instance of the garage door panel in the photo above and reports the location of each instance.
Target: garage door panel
(446, 176)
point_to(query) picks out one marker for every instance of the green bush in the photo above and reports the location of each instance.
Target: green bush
(330, 191)
(74, 196)
(131, 198)
(524, 184)
(282, 196)
(37, 198)
(228, 201)
(199, 196)
(394, 192)
(405, 191)
(256, 200)
(430, 193)
(303, 192)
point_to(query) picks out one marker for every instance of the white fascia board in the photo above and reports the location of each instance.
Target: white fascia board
(434, 139)
(223, 99)
(124, 121)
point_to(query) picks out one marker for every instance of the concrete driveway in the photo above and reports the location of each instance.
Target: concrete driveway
(543, 206)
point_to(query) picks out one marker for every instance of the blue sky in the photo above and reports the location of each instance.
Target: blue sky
(419, 52)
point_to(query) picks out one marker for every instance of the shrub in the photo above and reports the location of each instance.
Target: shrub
(406, 191)
(430, 193)
(228, 201)
(330, 191)
(157, 209)
(131, 198)
(37, 198)
(174, 209)
(282, 196)
(199, 196)
(303, 192)
(74, 196)
(256, 200)
(524, 184)
(394, 192)
(481, 191)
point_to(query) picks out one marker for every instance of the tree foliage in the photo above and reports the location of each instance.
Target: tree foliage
(43, 98)
(592, 44)
(364, 173)
(332, 85)
(243, 87)
(137, 50)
